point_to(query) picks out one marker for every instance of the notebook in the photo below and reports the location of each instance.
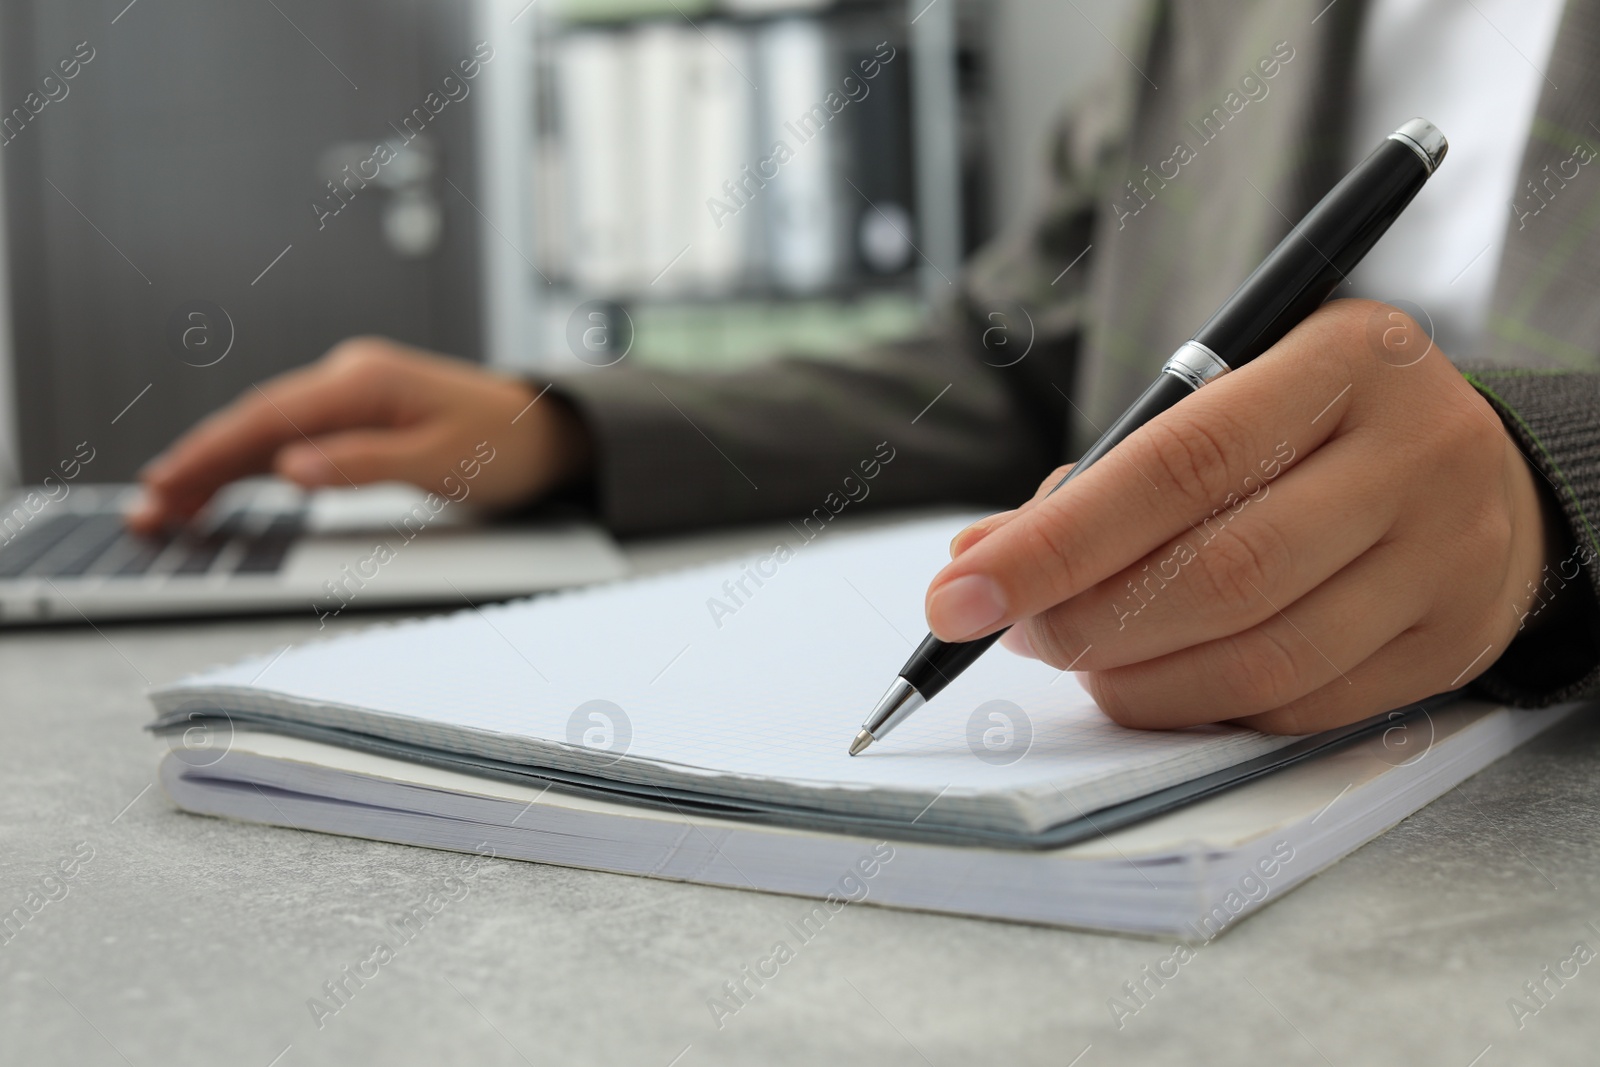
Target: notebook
(716, 704)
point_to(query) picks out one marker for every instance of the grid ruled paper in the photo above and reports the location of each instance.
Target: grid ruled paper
(740, 679)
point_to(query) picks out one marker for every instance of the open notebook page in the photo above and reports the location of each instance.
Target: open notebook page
(744, 679)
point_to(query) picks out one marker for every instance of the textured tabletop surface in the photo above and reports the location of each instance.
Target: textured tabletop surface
(179, 939)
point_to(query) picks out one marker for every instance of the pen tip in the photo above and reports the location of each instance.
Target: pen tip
(859, 745)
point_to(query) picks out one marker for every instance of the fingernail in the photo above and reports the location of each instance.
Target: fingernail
(965, 606)
(306, 466)
(153, 468)
(975, 532)
(1017, 640)
(960, 539)
(142, 510)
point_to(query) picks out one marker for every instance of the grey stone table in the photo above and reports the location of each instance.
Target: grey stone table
(179, 939)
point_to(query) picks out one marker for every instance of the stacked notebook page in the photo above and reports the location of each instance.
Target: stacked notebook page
(694, 726)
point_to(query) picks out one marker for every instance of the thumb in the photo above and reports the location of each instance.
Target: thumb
(357, 457)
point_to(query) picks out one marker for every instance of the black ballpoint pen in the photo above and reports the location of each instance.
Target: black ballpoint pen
(1292, 282)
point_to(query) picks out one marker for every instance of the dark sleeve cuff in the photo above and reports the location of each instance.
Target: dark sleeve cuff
(907, 424)
(1554, 416)
(641, 480)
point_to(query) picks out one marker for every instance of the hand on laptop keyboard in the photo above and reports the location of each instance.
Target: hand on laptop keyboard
(373, 410)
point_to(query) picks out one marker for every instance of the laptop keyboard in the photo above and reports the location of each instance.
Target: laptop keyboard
(95, 543)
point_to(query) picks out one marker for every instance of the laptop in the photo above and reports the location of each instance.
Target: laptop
(266, 546)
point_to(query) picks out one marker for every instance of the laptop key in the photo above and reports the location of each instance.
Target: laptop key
(199, 557)
(87, 543)
(204, 551)
(268, 549)
(34, 540)
(149, 550)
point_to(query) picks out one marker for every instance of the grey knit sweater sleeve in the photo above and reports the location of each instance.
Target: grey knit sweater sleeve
(1555, 417)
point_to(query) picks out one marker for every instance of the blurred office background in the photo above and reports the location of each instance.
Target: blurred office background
(200, 195)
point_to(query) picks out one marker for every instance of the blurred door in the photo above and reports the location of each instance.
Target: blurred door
(173, 236)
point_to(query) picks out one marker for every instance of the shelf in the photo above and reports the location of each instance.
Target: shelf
(529, 297)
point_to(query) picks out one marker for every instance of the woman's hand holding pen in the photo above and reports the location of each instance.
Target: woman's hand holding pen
(1340, 528)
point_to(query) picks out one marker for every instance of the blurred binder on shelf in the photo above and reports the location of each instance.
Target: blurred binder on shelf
(595, 102)
(619, 10)
(796, 172)
(664, 57)
(721, 114)
(879, 196)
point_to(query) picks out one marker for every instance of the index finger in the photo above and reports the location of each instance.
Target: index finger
(1213, 448)
(241, 439)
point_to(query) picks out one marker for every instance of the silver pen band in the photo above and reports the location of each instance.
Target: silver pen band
(1423, 138)
(1196, 364)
